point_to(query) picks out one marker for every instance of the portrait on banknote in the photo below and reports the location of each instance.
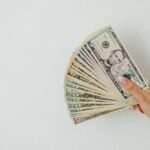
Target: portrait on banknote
(115, 60)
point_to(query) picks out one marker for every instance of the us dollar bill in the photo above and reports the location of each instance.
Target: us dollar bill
(91, 82)
(81, 119)
(114, 59)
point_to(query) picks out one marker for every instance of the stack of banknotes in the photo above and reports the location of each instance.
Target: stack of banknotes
(91, 81)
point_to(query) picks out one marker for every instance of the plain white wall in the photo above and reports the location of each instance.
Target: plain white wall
(37, 38)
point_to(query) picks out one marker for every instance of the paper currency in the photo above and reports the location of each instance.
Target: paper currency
(91, 81)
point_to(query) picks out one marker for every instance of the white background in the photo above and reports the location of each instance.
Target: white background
(37, 38)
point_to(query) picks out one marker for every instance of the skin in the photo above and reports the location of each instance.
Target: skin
(142, 96)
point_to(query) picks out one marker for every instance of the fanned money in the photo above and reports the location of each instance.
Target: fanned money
(91, 81)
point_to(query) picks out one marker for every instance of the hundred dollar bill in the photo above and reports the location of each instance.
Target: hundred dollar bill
(114, 59)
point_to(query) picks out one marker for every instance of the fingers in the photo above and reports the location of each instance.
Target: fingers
(138, 108)
(132, 88)
(128, 85)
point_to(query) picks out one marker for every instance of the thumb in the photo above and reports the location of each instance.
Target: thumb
(132, 88)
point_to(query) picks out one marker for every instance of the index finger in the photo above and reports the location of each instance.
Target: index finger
(132, 88)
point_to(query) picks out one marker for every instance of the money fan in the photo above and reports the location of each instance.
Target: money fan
(91, 85)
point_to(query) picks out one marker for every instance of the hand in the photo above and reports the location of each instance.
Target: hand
(142, 97)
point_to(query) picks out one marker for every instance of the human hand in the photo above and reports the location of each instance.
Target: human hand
(142, 97)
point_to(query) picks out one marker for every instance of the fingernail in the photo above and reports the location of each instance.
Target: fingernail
(122, 80)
